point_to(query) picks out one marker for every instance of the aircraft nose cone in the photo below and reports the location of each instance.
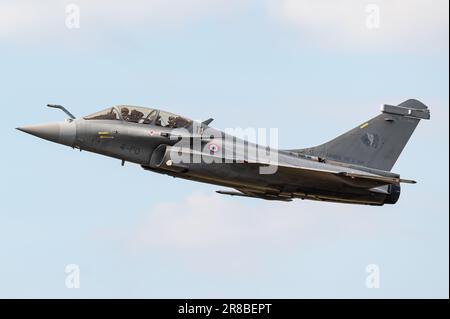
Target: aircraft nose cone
(46, 131)
(63, 133)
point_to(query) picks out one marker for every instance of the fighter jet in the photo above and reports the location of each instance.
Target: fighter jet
(354, 168)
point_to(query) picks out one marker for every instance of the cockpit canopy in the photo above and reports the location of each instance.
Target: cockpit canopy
(141, 115)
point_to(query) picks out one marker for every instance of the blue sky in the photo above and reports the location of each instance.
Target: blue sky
(312, 69)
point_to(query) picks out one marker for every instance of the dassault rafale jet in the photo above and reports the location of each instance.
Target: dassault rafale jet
(355, 167)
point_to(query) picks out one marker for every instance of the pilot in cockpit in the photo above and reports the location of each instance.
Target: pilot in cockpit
(135, 116)
(125, 113)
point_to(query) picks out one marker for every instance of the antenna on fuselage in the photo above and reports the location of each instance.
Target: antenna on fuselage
(55, 106)
(208, 121)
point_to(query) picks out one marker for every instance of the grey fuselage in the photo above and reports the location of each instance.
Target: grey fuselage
(153, 147)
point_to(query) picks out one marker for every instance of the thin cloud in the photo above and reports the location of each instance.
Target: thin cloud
(31, 22)
(403, 24)
(208, 232)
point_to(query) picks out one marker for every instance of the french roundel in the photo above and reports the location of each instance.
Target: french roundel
(213, 147)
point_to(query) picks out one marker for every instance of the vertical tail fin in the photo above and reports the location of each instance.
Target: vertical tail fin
(378, 142)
